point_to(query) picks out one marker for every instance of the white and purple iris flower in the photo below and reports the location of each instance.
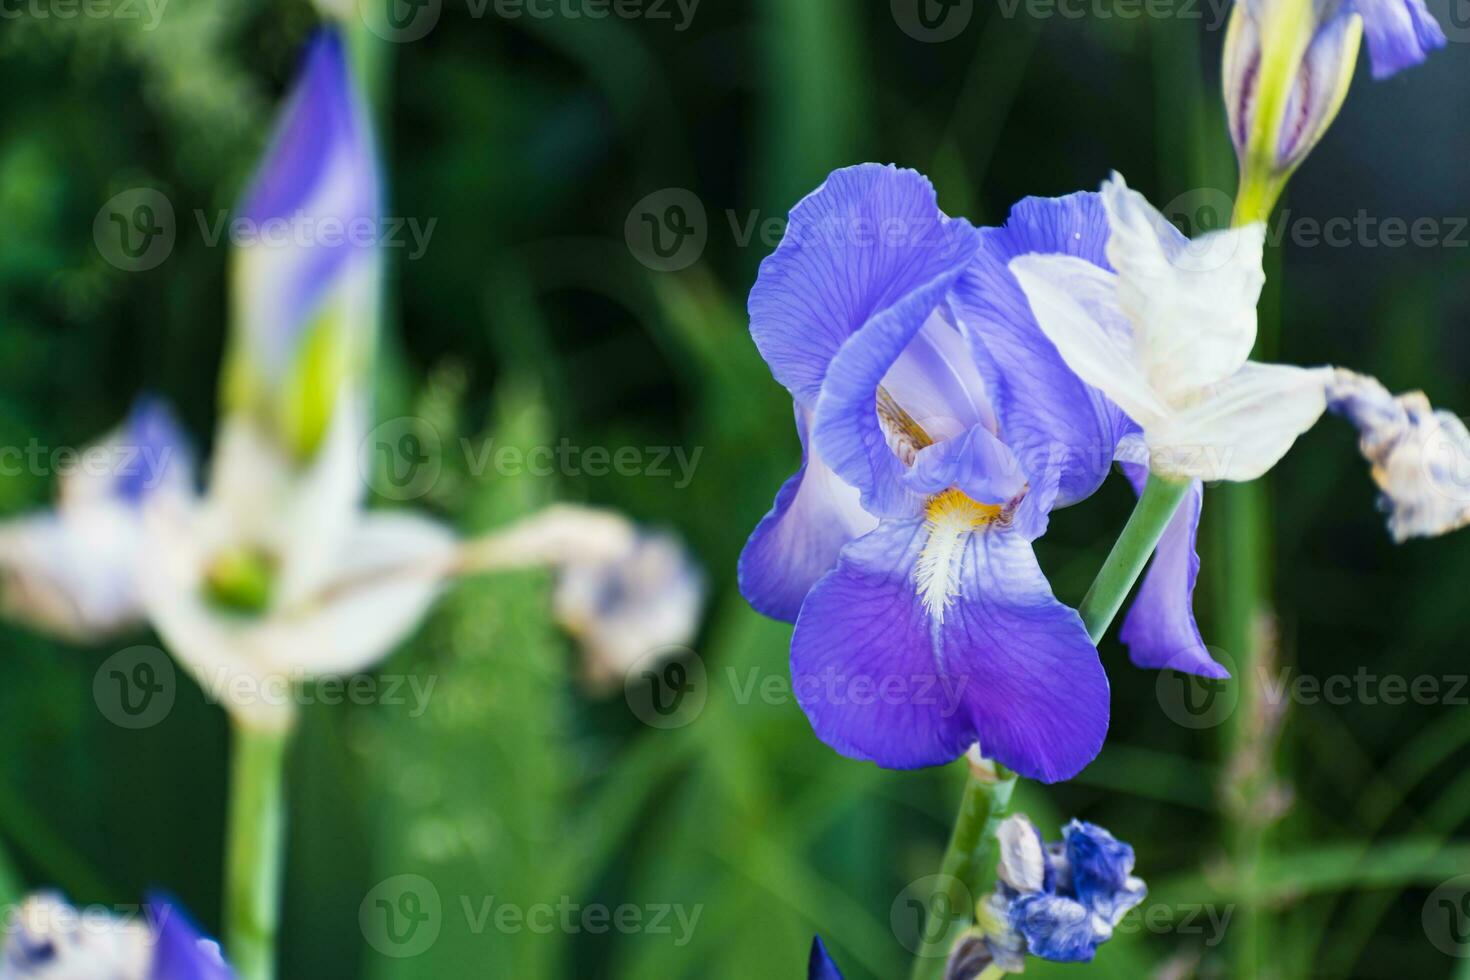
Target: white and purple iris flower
(1400, 33)
(940, 428)
(50, 940)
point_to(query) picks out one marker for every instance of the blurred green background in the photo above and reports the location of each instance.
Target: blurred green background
(1316, 833)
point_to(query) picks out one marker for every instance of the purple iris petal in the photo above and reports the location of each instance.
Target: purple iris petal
(865, 241)
(1400, 33)
(882, 678)
(181, 952)
(815, 514)
(1160, 629)
(1038, 401)
(820, 965)
(976, 463)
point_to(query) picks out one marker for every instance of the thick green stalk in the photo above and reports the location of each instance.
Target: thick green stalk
(1131, 552)
(253, 851)
(966, 860)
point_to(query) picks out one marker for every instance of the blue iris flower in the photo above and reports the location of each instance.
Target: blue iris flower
(1400, 33)
(939, 429)
(1061, 900)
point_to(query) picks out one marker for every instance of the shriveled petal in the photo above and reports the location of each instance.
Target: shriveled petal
(1243, 426)
(862, 244)
(793, 546)
(1076, 306)
(1160, 630)
(819, 964)
(883, 679)
(1420, 457)
(628, 606)
(1022, 863)
(1192, 304)
(1039, 402)
(1102, 871)
(1400, 33)
(1058, 929)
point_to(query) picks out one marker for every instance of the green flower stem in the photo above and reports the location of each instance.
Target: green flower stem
(968, 857)
(253, 851)
(1131, 552)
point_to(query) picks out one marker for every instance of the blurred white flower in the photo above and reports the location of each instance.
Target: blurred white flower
(72, 571)
(1167, 337)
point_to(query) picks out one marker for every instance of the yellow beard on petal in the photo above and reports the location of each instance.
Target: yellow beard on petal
(950, 518)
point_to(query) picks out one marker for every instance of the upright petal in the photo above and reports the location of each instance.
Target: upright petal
(937, 393)
(860, 245)
(1039, 402)
(1192, 303)
(1160, 629)
(1076, 306)
(1400, 33)
(793, 546)
(883, 678)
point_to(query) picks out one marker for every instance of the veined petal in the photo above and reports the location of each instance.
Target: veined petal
(1400, 33)
(1192, 304)
(883, 678)
(863, 243)
(1039, 402)
(976, 463)
(1160, 630)
(1076, 306)
(793, 546)
(1242, 427)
